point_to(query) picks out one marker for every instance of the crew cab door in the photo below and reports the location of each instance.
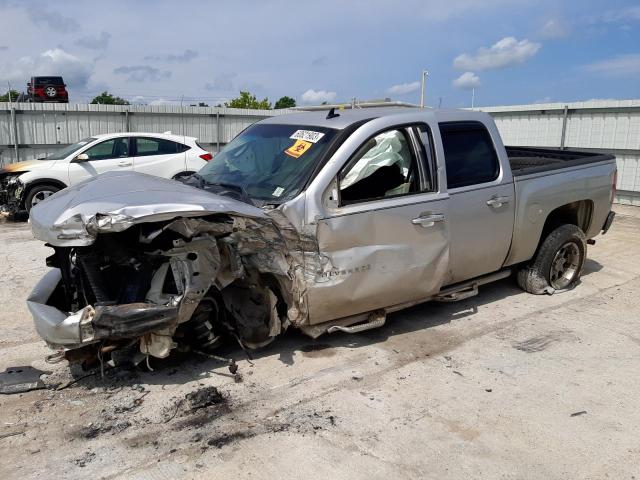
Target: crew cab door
(106, 156)
(481, 199)
(159, 156)
(383, 235)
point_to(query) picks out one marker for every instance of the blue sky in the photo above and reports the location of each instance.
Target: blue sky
(511, 51)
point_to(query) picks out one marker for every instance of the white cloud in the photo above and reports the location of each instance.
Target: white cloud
(506, 52)
(183, 57)
(404, 88)
(620, 66)
(95, 42)
(555, 28)
(142, 73)
(76, 72)
(222, 82)
(617, 16)
(467, 81)
(318, 96)
(53, 19)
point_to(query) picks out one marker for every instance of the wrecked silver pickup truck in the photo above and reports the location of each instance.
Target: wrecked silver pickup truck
(322, 222)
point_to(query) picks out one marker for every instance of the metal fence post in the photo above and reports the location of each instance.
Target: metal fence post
(565, 114)
(14, 133)
(217, 130)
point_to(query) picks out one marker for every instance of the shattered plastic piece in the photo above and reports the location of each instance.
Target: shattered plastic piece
(21, 379)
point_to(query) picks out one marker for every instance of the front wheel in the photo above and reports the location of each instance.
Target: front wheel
(558, 263)
(37, 194)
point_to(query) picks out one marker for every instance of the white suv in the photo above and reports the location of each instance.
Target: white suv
(24, 184)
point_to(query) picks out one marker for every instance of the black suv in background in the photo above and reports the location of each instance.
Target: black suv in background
(47, 89)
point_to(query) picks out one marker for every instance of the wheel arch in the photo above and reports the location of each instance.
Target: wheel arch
(578, 213)
(37, 182)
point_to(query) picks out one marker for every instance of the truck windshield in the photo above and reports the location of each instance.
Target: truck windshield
(66, 151)
(270, 162)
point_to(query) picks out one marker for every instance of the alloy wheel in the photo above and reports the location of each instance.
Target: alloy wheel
(564, 266)
(40, 196)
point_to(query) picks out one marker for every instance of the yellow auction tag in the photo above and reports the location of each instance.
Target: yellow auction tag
(298, 148)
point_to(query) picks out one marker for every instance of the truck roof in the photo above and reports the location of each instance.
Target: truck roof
(318, 118)
(166, 136)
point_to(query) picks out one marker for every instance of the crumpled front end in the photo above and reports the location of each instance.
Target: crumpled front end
(158, 275)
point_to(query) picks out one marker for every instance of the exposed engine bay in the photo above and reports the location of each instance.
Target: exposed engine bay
(157, 280)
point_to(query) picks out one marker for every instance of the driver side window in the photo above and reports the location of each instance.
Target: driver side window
(385, 166)
(114, 148)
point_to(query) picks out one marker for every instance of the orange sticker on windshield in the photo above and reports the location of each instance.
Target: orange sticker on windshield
(298, 148)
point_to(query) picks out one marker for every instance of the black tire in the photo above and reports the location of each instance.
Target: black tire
(182, 175)
(38, 194)
(557, 264)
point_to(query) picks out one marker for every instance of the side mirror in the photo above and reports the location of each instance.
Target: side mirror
(83, 157)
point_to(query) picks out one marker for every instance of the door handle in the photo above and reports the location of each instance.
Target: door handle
(497, 202)
(428, 220)
(124, 164)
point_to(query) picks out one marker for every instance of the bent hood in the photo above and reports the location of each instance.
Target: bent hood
(27, 166)
(114, 201)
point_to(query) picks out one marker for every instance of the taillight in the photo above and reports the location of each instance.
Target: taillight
(206, 156)
(614, 186)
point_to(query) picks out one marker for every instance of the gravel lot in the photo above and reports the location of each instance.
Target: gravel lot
(503, 385)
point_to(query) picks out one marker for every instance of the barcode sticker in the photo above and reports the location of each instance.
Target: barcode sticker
(307, 135)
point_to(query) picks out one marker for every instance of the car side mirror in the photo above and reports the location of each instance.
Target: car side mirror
(83, 157)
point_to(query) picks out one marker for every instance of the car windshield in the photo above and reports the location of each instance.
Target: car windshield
(66, 151)
(49, 81)
(270, 162)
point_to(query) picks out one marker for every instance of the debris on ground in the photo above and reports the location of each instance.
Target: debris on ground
(577, 414)
(21, 379)
(204, 397)
(87, 457)
(95, 429)
(225, 439)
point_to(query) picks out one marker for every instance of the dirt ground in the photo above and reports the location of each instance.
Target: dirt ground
(502, 385)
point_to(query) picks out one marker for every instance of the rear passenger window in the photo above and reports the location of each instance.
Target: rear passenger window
(157, 146)
(469, 155)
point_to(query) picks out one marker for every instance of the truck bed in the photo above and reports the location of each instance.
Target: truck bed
(526, 160)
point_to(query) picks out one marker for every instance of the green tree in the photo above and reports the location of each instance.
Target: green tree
(285, 102)
(105, 98)
(5, 97)
(247, 100)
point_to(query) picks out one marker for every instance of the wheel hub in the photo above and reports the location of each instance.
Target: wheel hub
(40, 196)
(564, 266)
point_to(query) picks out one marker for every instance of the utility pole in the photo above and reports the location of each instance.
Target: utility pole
(425, 74)
(473, 97)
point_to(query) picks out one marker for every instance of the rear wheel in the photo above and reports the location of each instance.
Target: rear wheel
(558, 263)
(37, 194)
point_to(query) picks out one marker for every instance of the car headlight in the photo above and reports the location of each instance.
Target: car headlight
(13, 179)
